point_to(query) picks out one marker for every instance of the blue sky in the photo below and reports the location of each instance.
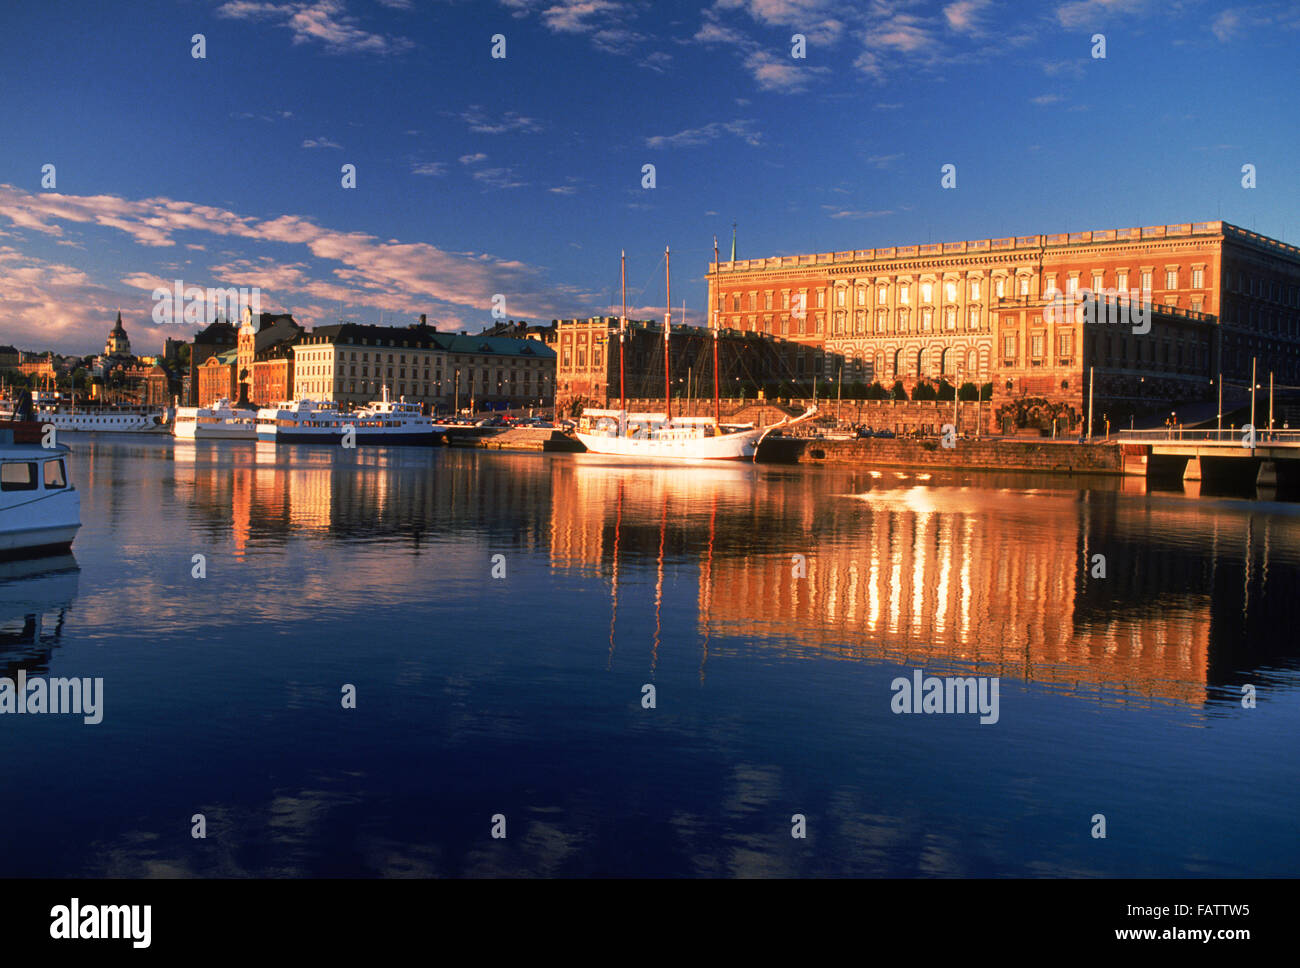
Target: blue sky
(522, 176)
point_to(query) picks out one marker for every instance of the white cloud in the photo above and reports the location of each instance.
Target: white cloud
(321, 142)
(480, 123)
(319, 21)
(429, 168)
(742, 129)
(473, 159)
(500, 178)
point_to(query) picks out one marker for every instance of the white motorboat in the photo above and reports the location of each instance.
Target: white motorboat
(221, 421)
(40, 509)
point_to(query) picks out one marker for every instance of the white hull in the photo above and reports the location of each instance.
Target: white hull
(736, 446)
(108, 422)
(224, 431)
(45, 521)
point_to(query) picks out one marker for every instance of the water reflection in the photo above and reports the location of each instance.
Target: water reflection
(35, 597)
(1185, 596)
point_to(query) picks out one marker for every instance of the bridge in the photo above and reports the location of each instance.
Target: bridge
(1272, 456)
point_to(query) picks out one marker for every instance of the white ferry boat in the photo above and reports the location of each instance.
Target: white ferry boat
(66, 415)
(383, 422)
(221, 421)
(303, 422)
(396, 422)
(40, 509)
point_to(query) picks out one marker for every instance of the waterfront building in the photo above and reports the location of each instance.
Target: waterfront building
(352, 363)
(257, 335)
(218, 377)
(938, 311)
(587, 368)
(215, 338)
(273, 374)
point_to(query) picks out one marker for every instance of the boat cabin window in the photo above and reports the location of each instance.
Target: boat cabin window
(55, 475)
(18, 476)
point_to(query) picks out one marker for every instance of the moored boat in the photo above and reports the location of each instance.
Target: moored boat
(221, 421)
(40, 509)
(322, 422)
(617, 433)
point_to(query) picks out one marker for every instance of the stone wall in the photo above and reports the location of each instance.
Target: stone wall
(1006, 455)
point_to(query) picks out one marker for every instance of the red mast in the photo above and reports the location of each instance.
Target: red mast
(717, 403)
(622, 327)
(668, 319)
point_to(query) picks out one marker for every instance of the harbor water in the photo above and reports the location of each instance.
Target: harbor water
(368, 662)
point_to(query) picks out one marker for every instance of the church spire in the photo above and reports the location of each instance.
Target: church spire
(733, 241)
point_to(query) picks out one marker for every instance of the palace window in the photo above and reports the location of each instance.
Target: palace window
(862, 296)
(821, 298)
(1096, 282)
(1024, 285)
(950, 318)
(882, 295)
(927, 292)
(840, 295)
(950, 291)
(1121, 280)
(927, 319)
(904, 293)
(1198, 278)
(1146, 281)
(880, 320)
(974, 289)
(785, 300)
(767, 299)
(904, 318)
(999, 287)
(1036, 346)
(973, 317)
(1171, 278)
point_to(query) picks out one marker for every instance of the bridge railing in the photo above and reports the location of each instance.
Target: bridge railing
(1233, 437)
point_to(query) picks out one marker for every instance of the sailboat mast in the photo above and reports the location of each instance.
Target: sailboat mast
(717, 403)
(668, 320)
(622, 329)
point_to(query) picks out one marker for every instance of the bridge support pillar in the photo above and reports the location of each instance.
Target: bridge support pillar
(1192, 472)
(1267, 476)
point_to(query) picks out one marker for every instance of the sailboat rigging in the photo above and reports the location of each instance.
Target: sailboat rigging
(618, 433)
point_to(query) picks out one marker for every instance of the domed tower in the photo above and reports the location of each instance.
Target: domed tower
(118, 344)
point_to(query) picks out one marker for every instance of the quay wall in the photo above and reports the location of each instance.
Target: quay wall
(994, 455)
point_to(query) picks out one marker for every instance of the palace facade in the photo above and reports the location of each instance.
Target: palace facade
(972, 311)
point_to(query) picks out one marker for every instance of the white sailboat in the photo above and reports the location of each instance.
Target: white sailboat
(618, 433)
